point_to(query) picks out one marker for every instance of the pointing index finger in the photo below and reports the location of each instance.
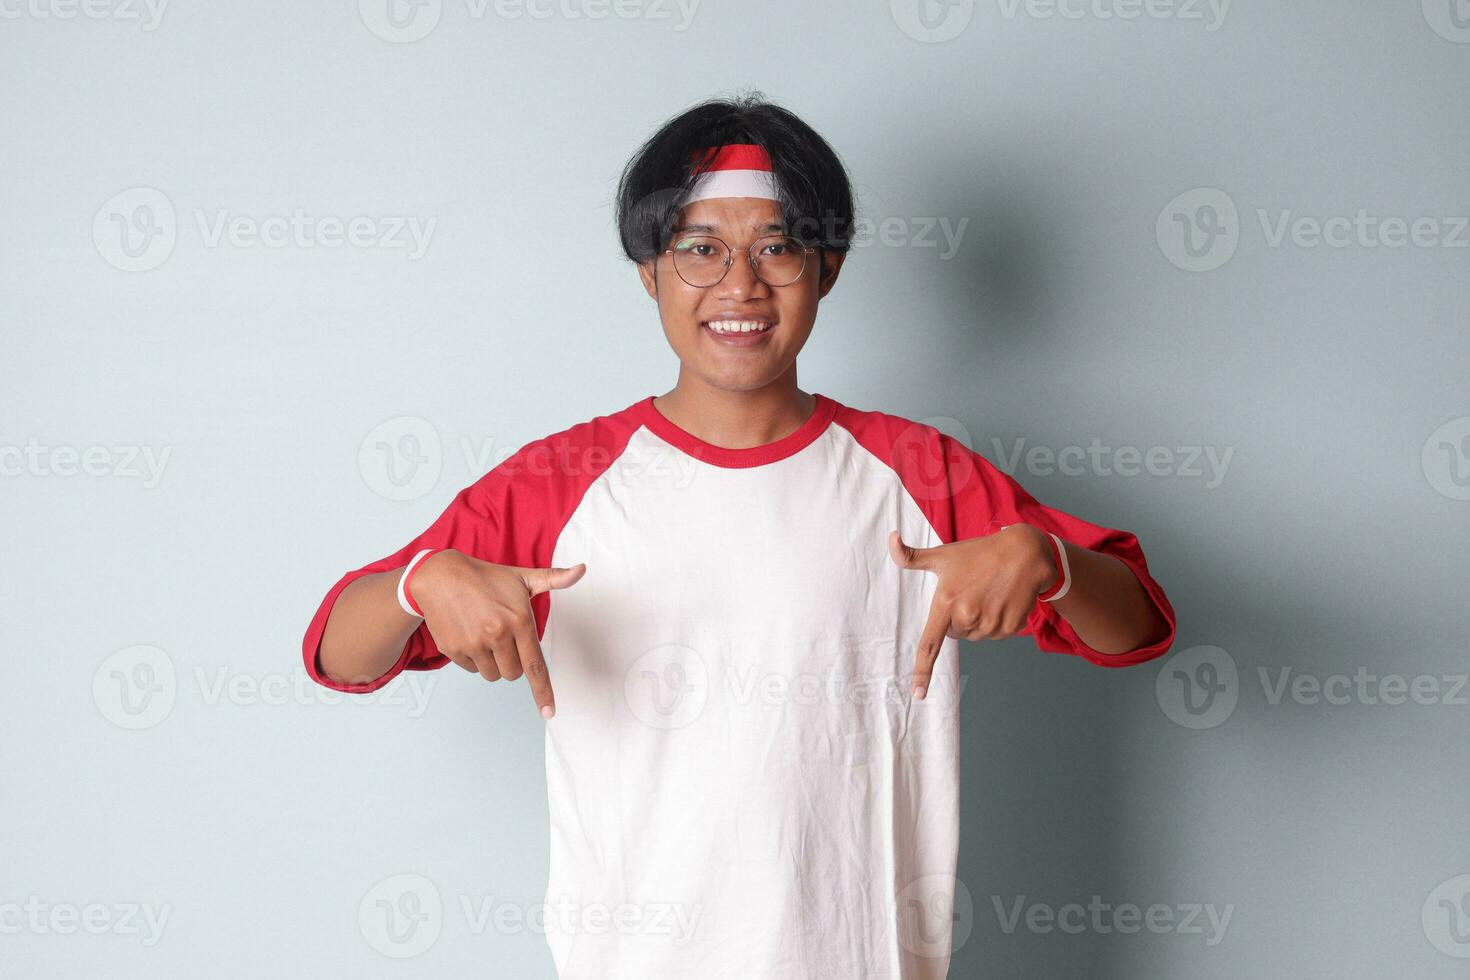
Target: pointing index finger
(533, 662)
(930, 641)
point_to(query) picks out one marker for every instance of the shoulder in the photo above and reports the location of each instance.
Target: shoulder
(563, 462)
(897, 439)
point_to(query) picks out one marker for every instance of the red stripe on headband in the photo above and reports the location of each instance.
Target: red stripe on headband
(732, 156)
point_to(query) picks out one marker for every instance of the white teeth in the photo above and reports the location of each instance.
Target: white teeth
(736, 326)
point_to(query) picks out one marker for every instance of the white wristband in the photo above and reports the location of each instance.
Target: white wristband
(1063, 568)
(402, 596)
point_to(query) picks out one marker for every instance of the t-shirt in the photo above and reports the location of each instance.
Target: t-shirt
(741, 785)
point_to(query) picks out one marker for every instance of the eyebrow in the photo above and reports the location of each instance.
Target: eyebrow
(711, 229)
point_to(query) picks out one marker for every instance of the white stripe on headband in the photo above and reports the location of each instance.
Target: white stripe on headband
(734, 183)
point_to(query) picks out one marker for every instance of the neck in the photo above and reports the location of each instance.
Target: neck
(737, 419)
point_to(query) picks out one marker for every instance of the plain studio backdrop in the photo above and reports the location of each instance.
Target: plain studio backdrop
(279, 278)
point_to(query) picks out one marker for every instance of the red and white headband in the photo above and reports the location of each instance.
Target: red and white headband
(733, 170)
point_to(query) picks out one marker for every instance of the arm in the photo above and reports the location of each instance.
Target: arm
(1106, 605)
(477, 613)
(366, 631)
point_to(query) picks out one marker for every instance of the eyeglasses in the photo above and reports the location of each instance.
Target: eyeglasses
(703, 260)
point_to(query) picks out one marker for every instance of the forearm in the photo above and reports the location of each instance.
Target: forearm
(1107, 605)
(366, 630)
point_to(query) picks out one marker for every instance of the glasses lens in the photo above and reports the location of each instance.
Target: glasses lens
(779, 260)
(700, 261)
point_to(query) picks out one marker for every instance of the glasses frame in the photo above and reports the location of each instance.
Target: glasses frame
(806, 250)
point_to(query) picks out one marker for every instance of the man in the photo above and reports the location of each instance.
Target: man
(737, 604)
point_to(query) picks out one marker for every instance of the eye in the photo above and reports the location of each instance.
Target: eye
(779, 248)
(697, 247)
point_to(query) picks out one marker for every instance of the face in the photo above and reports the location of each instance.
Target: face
(737, 361)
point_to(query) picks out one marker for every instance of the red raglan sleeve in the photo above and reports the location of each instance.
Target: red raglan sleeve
(496, 519)
(983, 499)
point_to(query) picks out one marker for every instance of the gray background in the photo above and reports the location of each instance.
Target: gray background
(262, 815)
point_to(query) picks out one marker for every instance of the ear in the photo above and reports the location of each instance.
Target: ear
(831, 266)
(647, 272)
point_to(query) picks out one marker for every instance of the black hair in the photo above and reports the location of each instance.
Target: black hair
(815, 192)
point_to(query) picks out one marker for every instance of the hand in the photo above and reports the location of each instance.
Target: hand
(480, 617)
(987, 588)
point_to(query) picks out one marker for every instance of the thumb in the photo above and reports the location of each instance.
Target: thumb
(906, 556)
(539, 580)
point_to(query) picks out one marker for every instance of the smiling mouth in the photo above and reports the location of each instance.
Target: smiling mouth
(737, 328)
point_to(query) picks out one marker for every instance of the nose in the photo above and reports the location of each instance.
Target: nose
(740, 280)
